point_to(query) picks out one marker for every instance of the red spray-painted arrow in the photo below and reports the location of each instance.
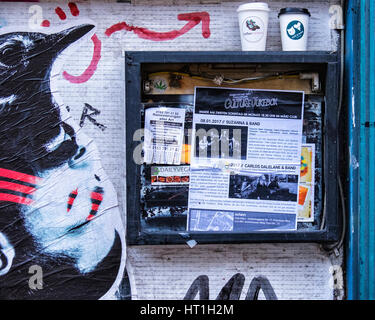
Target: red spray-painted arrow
(90, 70)
(193, 19)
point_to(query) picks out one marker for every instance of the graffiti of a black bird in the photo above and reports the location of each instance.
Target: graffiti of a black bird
(29, 120)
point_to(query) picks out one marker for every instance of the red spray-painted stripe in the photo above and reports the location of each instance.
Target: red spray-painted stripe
(17, 199)
(193, 19)
(60, 13)
(71, 201)
(16, 187)
(118, 27)
(72, 197)
(96, 196)
(95, 206)
(19, 176)
(90, 217)
(73, 9)
(88, 73)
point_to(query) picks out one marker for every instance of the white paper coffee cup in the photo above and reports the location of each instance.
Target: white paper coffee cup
(253, 23)
(294, 26)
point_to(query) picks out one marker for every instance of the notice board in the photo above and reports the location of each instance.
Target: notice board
(227, 147)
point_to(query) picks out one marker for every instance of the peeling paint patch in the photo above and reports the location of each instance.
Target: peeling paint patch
(353, 161)
(3, 22)
(353, 108)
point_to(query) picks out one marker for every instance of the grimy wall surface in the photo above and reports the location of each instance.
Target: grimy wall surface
(88, 88)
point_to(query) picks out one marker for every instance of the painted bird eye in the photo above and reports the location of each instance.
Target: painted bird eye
(11, 55)
(6, 51)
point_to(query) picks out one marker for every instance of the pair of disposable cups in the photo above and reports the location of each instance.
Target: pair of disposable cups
(253, 22)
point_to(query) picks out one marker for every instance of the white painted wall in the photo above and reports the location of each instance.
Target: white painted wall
(295, 271)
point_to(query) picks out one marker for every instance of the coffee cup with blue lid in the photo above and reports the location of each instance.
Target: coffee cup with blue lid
(294, 26)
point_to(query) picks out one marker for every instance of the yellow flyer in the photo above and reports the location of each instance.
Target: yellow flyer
(307, 184)
(307, 163)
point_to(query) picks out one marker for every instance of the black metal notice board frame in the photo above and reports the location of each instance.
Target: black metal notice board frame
(133, 77)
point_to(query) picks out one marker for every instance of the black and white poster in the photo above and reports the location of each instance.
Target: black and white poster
(246, 160)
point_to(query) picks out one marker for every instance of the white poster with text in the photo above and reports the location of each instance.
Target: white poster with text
(246, 158)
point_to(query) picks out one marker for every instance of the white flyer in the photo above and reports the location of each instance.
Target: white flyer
(164, 133)
(245, 160)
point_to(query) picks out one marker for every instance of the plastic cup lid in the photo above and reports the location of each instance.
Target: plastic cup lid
(294, 10)
(253, 6)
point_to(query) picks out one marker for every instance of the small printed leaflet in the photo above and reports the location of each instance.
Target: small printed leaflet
(306, 184)
(164, 130)
(169, 175)
(245, 160)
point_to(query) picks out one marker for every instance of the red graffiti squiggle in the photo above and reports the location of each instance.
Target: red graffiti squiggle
(193, 19)
(88, 73)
